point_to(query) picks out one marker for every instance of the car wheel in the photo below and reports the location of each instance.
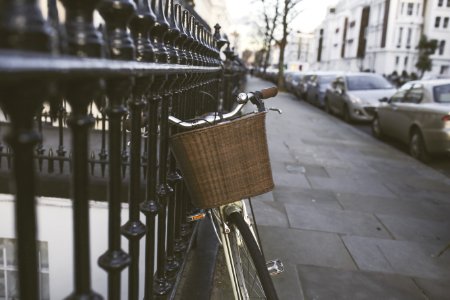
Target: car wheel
(346, 114)
(417, 147)
(376, 129)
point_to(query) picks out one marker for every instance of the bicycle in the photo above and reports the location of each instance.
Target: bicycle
(249, 273)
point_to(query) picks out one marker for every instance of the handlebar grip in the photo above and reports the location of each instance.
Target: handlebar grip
(269, 92)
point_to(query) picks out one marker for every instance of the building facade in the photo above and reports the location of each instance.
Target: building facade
(382, 35)
(298, 53)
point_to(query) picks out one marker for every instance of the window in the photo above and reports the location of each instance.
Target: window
(402, 9)
(448, 3)
(441, 47)
(441, 93)
(409, 10)
(418, 9)
(408, 38)
(397, 59)
(444, 70)
(9, 287)
(437, 22)
(398, 97)
(445, 22)
(414, 95)
(440, 3)
(406, 61)
(400, 33)
(367, 82)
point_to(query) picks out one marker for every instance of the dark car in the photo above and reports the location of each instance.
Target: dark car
(318, 84)
(355, 96)
(291, 80)
(301, 88)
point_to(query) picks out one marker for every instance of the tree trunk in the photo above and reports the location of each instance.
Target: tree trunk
(281, 64)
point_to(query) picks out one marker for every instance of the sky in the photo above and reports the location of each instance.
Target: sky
(243, 14)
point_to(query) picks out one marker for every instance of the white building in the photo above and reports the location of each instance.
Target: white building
(437, 14)
(382, 35)
(213, 12)
(298, 53)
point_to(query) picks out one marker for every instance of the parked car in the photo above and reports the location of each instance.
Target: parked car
(302, 86)
(318, 84)
(271, 74)
(291, 80)
(355, 96)
(418, 116)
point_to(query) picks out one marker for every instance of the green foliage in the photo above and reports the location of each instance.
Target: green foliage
(426, 48)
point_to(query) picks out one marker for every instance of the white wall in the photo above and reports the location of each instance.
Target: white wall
(55, 228)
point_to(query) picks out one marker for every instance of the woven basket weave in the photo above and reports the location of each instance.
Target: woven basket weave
(226, 162)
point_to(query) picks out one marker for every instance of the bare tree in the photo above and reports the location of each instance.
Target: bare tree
(288, 15)
(270, 22)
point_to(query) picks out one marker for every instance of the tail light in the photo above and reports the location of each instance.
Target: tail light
(445, 118)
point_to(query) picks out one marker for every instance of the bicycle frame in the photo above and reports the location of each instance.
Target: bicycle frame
(224, 230)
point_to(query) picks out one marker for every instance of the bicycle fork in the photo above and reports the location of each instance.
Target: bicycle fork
(274, 266)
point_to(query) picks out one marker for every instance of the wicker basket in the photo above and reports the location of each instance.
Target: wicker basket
(226, 162)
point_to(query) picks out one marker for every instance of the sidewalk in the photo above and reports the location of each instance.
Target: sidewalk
(351, 217)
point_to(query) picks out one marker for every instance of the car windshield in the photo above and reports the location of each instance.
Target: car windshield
(441, 93)
(367, 82)
(327, 79)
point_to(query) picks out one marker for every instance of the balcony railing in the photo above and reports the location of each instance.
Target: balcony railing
(113, 85)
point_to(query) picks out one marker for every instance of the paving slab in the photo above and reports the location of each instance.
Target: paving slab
(407, 206)
(402, 189)
(414, 229)
(434, 289)
(288, 179)
(328, 283)
(287, 284)
(309, 170)
(415, 259)
(269, 213)
(310, 197)
(349, 185)
(305, 247)
(337, 221)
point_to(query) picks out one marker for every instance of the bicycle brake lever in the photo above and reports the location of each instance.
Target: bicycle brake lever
(276, 109)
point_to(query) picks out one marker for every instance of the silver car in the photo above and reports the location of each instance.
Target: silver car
(355, 96)
(418, 116)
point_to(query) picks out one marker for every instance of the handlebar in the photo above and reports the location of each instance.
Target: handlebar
(241, 99)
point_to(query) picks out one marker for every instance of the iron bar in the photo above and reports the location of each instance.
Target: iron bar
(116, 14)
(82, 40)
(150, 206)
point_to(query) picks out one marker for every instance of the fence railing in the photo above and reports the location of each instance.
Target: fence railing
(146, 60)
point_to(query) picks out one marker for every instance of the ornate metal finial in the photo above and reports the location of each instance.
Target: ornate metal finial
(140, 26)
(117, 14)
(173, 32)
(22, 27)
(159, 31)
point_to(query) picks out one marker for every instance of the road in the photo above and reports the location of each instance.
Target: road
(440, 163)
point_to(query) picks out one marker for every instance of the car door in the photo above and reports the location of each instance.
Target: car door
(330, 94)
(408, 112)
(336, 95)
(340, 95)
(311, 89)
(387, 114)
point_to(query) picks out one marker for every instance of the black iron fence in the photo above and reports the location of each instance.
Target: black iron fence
(119, 81)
